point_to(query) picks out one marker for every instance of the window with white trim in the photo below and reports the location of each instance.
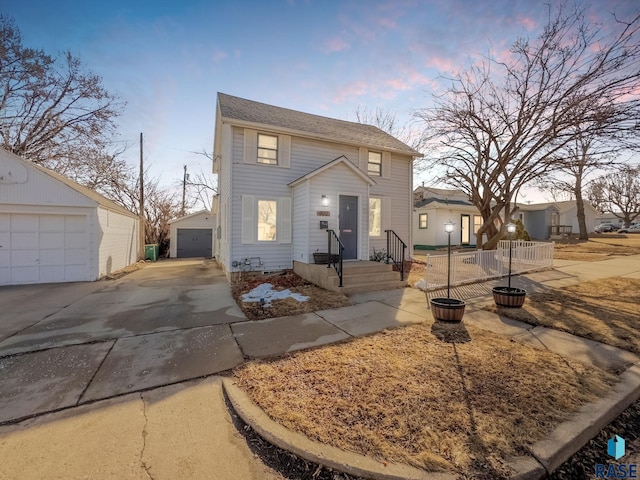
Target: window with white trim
(374, 165)
(423, 221)
(477, 223)
(375, 217)
(267, 149)
(267, 220)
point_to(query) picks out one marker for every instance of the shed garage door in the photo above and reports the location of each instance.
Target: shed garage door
(194, 242)
(43, 248)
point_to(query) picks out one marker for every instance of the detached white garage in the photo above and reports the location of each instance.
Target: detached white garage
(54, 230)
(192, 235)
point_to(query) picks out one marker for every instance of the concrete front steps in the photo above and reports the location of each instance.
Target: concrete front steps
(358, 276)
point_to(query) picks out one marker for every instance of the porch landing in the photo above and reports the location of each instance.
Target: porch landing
(358, 276)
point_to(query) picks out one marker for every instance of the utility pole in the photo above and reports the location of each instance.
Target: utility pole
(142, 227)
(184, 189)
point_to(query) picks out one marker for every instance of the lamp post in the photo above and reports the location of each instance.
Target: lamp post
(448, 227)
(511, 229)
(448, 309)
(507, 296)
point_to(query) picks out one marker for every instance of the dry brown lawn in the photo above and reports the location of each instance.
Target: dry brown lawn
(598, 247)
(604, 310)
(319, 298)
(438, 397)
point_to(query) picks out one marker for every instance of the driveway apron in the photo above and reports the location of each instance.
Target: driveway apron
(165, 323)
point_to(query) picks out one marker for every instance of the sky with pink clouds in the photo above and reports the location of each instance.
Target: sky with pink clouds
(167, 59)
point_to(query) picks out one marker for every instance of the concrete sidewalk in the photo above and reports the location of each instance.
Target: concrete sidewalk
(172, 424)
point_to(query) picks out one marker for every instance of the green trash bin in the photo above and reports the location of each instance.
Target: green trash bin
(151, 252)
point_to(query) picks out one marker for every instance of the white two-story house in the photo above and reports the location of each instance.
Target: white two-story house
(286, 177)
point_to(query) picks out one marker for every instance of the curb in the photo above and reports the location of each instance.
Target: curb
(547, 454)
(319, 453)
(572, 435)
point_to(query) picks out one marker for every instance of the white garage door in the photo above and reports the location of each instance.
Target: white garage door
(43, 248)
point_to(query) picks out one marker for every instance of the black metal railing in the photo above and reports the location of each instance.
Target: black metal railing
(336, 249)
(395, 251)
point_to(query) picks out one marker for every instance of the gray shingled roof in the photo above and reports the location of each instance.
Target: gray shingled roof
(426, 201)
(240, 109)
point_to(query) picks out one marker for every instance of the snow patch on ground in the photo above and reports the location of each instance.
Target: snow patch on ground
(421, 284)
(265, 291)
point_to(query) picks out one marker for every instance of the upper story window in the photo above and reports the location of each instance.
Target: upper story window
(267, 149)
(374, 166)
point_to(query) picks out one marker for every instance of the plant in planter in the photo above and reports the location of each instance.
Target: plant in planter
(448, 309)
(509, 296)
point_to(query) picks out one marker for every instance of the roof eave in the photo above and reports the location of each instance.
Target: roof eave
(302, 133)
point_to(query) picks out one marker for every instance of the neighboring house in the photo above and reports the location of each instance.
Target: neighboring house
(544, 221)
(285, 177)
(54, 230)
(433, 207)
(609, 218)
(192, 235)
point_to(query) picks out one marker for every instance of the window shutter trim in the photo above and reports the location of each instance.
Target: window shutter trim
(284, 220)
(248, 219)
(284, 155)
(386, 213)
(363, 159)
(386, 164)
(250, 146)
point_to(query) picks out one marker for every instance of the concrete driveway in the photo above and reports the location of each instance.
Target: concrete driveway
(63, 345)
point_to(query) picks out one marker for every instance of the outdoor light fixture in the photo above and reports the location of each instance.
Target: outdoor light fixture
(511, 228)
(324, 201)
(448, 227)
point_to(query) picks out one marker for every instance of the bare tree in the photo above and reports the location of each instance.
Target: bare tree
(388, 121)
(51, 108)
(503, 124)
(582, 157)
(618, 193)
(201, 187)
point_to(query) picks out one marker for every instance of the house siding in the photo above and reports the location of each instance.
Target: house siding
(225, 208)
(300, 218)
(336, 181)
(271, 182)
(119, 244)
(397, 191)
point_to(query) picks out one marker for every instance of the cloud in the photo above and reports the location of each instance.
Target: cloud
(219, 55)
(408, 81)
(356, 88)
(335, 44)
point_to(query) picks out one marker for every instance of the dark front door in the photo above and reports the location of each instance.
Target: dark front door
(349, 226)
(194, 242)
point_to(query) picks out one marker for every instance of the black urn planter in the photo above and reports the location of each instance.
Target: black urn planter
(447, 309)
(509, 296)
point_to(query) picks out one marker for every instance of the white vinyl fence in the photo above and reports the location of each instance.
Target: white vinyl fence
(468, 267)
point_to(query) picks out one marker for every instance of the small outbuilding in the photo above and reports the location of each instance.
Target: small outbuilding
(55, 230)
(192, 235)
